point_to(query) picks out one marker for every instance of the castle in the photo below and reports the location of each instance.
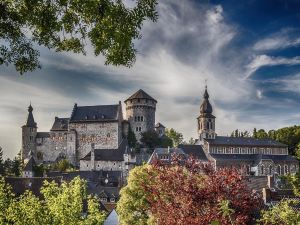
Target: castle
(93, 137)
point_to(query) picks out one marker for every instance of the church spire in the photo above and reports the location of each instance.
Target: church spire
(206, 120)
(30, 120)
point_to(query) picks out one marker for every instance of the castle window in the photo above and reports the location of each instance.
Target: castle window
(139, 118)
(139, 100)
(278, 170)
(140, 129)
(136, 129)
(262, 169)
(286, 169)
(270, 170)
(30, 138)
(142, 118)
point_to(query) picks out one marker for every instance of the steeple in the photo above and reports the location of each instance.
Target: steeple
(206, 120)
(206, 107)
(30, 120)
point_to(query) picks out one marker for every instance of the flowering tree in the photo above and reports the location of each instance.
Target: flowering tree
(196, 193)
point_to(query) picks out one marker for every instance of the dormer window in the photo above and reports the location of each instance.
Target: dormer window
(103, 199)
(86, 117)
(95, 117)
(102, 116)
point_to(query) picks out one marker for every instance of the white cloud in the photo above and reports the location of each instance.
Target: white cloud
(265, 60)
(259, 94)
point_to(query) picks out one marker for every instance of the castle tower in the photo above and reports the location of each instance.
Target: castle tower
(206, 120)
(29, 132)
(140, 112)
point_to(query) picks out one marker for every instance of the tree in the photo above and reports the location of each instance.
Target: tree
(165, 142)
(186, 192)
(254, 134)
(297, 151)
(8, 167)
(150, 139)
(133, 206)
(131, 138)
(1, 163)
(194, 193)
(62, 165)
(281, 214)
(192, 141)
(175, 136)
(61, 204)
(16, 167)
(108, 25)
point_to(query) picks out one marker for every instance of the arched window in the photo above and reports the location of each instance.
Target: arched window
(270, 170)
(262, 169)
(278, 170)
(286, 169)
(207, 125)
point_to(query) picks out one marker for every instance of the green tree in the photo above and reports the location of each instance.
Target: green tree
(61, 205)
(110, 26)
(165, 142)
(150, 139)
(16, 167)
(175, 136)
(254, 134)
(297, 151)
(192, 141)
(62, 165)
(2, 171)
(282, 213)
(131, 138)
(261, 134)
(6, 199)
(8, 167)
(133, 206)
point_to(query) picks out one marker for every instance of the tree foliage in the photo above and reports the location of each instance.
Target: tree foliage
(281, 214)
(187, 193)
(61, 204)
(67, 25)
(131, 138)
(62, 165)
(2, 171)
(151, 140)
(133, 205)
(176, 137)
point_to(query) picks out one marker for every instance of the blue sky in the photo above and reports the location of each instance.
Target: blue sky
(249, 51)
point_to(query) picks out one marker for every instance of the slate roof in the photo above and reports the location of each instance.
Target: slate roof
(140, 94)
(109, 154)
(43, 135)
(165, 152)
(244, 141)
(30, 120)
(159, 125)
(30, 164)
(206, 107)
(60, 124)
(20, 185)
(99, 113)
(255, 158)
(194, 150)
(112, 218)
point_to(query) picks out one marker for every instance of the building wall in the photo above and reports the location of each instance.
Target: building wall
(86, 165)
(105, 135)
(248, 150)
(140, 114)
(28, 141)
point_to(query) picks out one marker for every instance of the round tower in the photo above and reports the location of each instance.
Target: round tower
(29, 132)
(206, 120)
(140, 112)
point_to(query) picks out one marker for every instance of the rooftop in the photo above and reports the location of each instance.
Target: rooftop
(140, 94)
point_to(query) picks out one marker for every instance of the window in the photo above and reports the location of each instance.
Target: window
(112, 200)
(286, 169)
(270, 170)
(136, 129)
(31, 138)
(139, 118)
(248, 170)
(142, 118)
(262, 169)
(108, 135)
(139, 100)
(140, 129)
(103, 199)
(278, 170)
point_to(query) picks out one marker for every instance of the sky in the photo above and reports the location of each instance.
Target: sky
(248, 51)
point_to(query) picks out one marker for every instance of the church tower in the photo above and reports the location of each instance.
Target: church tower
(29, 132)
(206, 120)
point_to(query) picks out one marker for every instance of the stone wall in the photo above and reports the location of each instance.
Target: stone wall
(28, 141)
(86, 165)
(105, 135)
(140, 113)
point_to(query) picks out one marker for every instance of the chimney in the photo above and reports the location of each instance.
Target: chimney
(271, 182)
